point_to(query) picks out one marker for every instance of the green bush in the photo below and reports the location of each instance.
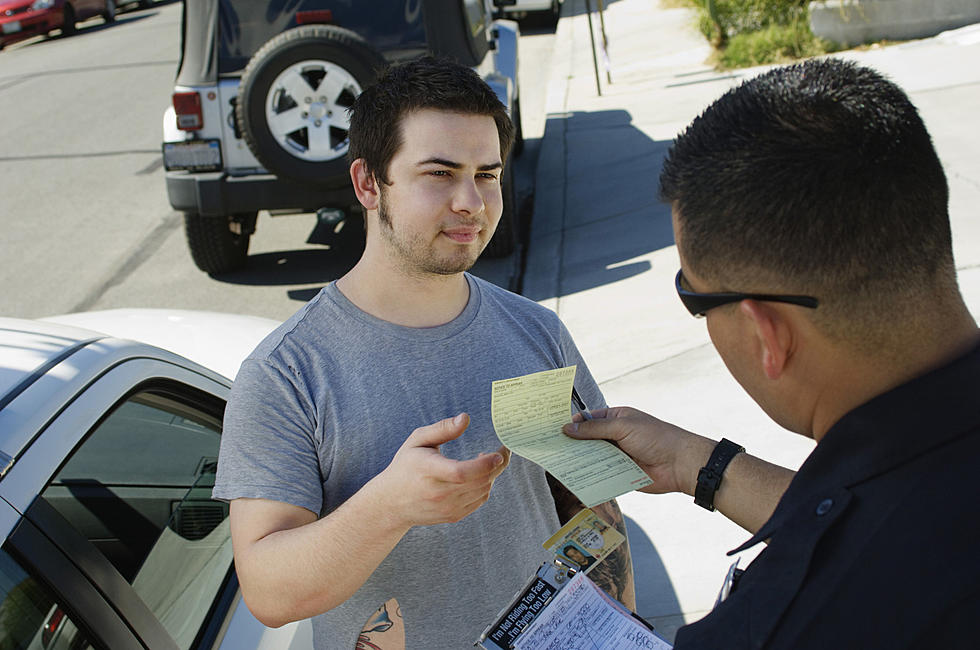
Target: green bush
(739, 16)
(772, 44)
(756, 32)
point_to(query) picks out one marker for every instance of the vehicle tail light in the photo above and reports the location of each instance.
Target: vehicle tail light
(190, 117)
(51, 626)
(314, 17)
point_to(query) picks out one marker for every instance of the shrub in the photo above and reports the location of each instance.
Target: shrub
(772, 44)
(756, 32)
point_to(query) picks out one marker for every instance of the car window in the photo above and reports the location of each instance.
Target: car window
(246, 25)
(30, 617)
(138, 487)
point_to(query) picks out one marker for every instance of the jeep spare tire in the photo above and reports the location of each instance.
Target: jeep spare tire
(295, 94)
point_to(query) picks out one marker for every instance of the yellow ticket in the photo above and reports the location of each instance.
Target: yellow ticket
(528, 413)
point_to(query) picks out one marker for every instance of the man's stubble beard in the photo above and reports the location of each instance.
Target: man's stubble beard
(410, 253)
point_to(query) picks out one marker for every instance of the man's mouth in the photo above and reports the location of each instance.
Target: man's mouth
(463, 235)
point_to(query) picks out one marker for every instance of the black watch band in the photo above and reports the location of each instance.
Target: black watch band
(709, 478)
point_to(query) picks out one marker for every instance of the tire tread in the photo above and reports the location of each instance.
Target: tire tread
(214, 248)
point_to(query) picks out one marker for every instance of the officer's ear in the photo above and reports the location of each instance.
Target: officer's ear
(773, 333)
(366, 186)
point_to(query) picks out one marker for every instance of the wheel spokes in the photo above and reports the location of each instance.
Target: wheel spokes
(306, 109)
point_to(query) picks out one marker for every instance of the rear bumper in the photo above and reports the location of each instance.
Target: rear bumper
(217, 194)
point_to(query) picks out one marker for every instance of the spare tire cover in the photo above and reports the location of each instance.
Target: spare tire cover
(294, 101)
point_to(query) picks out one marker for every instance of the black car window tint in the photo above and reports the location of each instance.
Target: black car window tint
(138, 488)
(30, 617)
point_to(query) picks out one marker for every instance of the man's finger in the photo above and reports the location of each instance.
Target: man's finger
(596, 429)
(505, 454)
(445, 469)
(437, 433)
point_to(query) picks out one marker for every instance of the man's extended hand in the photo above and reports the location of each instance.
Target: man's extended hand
(671, 456)
(426, 488)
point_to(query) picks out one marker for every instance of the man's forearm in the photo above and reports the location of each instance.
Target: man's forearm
(615, 573)
(303, 571)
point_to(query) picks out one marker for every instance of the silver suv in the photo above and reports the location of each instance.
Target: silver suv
(259, 117)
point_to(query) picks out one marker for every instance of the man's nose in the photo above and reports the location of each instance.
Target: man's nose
(467, 198)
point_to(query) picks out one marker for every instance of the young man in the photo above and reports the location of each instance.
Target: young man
(347, 503)
(810, 214)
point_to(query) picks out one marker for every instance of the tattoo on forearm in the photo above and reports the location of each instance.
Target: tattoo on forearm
(615, 573)
(384, 630)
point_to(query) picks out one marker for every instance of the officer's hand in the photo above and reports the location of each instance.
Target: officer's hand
(665, 452)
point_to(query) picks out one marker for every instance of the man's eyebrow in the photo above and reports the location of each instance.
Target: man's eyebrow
(455, 165)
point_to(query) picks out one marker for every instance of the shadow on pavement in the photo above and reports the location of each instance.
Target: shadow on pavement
(576, 9)
(602, 212)
(304, 266)
(655, 594)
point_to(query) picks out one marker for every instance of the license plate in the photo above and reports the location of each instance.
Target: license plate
(11, 27)
(192, 155)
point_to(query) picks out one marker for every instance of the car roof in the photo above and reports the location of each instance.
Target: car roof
(44, 364)
(217, 341)
(28, 348)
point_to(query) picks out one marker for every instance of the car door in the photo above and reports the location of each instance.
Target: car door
(117, 486)
(46, 602)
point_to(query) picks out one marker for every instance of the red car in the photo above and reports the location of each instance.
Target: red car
(20, 19)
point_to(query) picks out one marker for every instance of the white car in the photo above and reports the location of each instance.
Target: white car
(108, 449)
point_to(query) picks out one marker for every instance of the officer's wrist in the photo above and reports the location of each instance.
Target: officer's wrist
(709, 477)
(696, 454)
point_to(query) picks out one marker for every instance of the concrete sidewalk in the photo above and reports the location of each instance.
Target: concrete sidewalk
(601, 252)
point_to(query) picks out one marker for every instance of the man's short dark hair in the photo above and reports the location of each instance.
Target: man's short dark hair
(819, 179)
(426, 82)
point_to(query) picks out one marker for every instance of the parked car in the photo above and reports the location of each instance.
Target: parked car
(259, 117)
(108, 450)
(20, 19)
(519, 9)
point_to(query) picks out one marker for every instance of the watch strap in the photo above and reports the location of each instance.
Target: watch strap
(709, 477)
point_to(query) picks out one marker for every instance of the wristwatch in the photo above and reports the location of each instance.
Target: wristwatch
(709, 478)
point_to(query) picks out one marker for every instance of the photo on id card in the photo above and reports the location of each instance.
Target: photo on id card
(584, 541)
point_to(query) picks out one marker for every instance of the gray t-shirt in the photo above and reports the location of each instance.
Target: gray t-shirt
(322, 405)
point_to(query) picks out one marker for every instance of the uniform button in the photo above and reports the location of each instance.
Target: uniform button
(824, 507)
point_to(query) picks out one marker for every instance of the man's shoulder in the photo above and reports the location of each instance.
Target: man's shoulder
(307, 330)
(501, 298)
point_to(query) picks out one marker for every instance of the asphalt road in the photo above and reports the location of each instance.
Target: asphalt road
(86, 221)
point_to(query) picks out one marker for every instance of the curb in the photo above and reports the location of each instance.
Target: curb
(542, 271)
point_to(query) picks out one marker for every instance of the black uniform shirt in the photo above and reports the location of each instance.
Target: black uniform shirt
(876, 542)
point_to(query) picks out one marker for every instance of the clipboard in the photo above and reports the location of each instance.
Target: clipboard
(532, 599)
(540, 616)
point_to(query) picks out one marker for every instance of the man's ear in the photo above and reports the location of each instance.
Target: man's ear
(365, 185)
(774, 335)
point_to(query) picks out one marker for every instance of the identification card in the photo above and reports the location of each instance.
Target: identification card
(584, 541)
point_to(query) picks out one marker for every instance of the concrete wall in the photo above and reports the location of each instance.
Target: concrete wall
(852, 22)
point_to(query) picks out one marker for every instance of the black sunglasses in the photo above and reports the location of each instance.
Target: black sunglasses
(699, 303)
